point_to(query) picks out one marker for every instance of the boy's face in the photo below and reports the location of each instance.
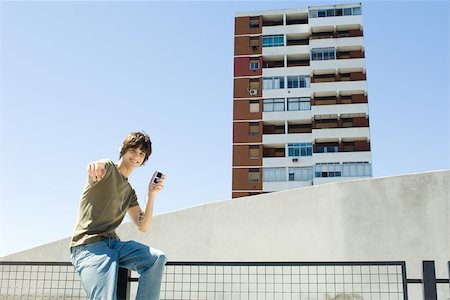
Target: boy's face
(134, 157)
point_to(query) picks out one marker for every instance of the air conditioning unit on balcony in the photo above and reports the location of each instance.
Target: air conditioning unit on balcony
(253, 92)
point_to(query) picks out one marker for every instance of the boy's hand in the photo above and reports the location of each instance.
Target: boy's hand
(96, 170)
(156, 187)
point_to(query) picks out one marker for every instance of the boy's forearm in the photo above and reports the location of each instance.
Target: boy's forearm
(147, 217)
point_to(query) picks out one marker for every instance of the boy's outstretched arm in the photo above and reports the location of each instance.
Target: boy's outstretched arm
(96, 170)
(143, 219)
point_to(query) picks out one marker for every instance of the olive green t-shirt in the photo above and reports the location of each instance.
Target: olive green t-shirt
(103, 206)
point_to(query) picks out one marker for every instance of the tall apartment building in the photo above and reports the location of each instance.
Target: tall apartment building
(300, 99)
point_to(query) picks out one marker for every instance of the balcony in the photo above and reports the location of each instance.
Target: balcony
(345, 121)
(288, 29)
(294, 127)
(297, 40)
(337, 42)
(287, 138)
(287, 93)
(340, 21)
(272, 20)
(337, 34)
(297, 60)
(297, 18)
(336, 133)
(335, 64)
(342, 99)
(296, 49)
(273, 62)
(342, 156)
(291, 161)
(332, 108)
(274, 129)
(352, 76)
(350, 54)
(341, 146)
(357, 87)
(287, 115)
(274, 152)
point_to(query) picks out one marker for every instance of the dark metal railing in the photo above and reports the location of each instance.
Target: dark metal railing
(283, 280)
(39, 280)
(232, 280)
(429, 280)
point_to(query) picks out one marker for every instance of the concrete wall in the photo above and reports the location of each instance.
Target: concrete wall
(393, 218)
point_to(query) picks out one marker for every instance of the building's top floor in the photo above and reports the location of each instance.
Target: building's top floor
(312, 11)
(310, 19)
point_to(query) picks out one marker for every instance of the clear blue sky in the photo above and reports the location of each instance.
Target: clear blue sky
(76, 77)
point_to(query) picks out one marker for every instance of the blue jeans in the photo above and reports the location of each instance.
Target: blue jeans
(98, 264)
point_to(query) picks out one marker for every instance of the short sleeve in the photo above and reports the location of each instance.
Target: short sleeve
(133, 199)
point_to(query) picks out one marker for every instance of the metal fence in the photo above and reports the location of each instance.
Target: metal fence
(232, 280)
(39, 280)
(245, 281)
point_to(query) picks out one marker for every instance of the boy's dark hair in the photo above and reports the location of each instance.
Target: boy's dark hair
(137, 140)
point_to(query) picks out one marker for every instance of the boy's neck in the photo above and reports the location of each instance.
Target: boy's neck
(123, 168)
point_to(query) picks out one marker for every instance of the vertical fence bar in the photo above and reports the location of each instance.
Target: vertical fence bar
(123, 285)
(404, 281)
(429, 280)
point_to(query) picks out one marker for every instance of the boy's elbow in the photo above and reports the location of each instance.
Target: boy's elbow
(144, 229)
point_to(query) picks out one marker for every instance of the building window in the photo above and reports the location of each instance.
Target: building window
(356, 11)
(276, 104)
(270, 83)
(253, 175)
(274, 174)
(313, 13)
(254, 106)
(254, 152)
(273, 40)
(254, 64)
(346, 169)
(300, 149)
(253, 129)
(299, 103)
(330, 13)
(327, 148)
(254, 42)
(328, 170)
(323, 54)
(253, 22)
(298, 81)
(348, 11)
(253, 85)
(323, 13)
(356, 169)
(300, 173)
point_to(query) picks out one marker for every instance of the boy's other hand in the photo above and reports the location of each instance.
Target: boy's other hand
(156, 187)
(96, 170)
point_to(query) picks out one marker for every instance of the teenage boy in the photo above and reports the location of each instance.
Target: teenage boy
(96, 251)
